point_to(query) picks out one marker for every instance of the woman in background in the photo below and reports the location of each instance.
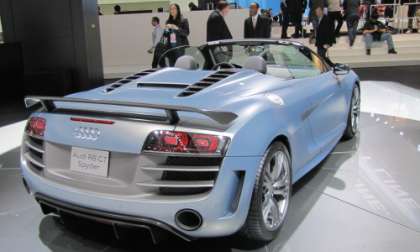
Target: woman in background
(176, 33)
(178, 24)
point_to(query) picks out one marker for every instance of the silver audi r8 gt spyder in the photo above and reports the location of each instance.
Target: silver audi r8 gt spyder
(208, 145)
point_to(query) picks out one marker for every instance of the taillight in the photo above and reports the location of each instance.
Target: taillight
(36, 126)
(184, 142)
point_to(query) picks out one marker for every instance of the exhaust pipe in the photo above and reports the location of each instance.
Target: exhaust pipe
(188, 219)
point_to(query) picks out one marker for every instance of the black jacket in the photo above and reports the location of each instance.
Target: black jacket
(325, 33)
(217, 28)
(262, 29)
(182, 32)
(295, 6)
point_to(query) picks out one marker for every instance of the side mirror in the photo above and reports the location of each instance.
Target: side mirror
(341, 69)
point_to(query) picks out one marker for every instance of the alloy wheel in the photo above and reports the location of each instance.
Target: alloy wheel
(355, 110)
(276, 190)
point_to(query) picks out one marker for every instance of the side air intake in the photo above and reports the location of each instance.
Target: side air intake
(205, 83)
(128, 80)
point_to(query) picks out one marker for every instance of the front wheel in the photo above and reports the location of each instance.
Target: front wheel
(271, 195)
(354, 115)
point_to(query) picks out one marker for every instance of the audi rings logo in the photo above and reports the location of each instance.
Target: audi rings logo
(87, 133)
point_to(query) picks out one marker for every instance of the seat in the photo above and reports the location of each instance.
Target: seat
(186, 62)
(256, 63)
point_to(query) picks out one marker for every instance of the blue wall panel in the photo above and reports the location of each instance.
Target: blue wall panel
(264, 4)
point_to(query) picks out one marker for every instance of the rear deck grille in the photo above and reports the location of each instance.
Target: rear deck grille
(206, 82)
(183, 175)
(34, 152)
(128, 80)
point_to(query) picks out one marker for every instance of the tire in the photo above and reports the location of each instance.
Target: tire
(353, 116)
(256, 228)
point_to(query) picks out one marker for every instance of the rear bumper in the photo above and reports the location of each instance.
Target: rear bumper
(224, 209)
(50, 205)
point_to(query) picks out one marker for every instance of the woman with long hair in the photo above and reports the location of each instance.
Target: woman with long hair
(178, 25)
(176, 34)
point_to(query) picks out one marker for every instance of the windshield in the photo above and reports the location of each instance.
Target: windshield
(283, 61)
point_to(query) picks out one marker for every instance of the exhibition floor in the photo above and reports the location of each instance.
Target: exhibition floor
(364, 197)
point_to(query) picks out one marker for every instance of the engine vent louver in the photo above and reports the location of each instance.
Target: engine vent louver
(205, 83)
(129, 79)
(161, 85)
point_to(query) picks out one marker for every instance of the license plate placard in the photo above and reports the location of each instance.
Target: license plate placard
(88, 161)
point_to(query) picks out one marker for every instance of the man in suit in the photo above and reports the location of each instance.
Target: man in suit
(325, 36)
(257, 25)
(216, 25)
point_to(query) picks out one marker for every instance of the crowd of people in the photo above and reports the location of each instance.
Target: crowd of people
(326, 16)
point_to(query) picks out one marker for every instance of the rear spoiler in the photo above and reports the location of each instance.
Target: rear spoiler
(48, 103)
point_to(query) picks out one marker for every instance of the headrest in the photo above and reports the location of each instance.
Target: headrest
(256, 63)
(186, 62)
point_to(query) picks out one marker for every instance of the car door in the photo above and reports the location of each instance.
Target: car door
(325, 114)
(284, 61)
(328, 110)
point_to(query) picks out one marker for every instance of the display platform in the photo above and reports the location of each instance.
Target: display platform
(364, 197)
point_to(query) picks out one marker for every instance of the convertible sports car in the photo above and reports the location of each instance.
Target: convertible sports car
(209, 147)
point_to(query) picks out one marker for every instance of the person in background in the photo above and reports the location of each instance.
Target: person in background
(313, 5)
(296, 10)
(177, 27)
(284, 6)
(351, 14)
(175, 35)
(269, 13)
(216, 25)
(292, 10)
(334, 12)
(324, 37)
(156, 37)
(257, 25)
(117, 9)
(412, 8)
(375, 30)
(99, 11)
